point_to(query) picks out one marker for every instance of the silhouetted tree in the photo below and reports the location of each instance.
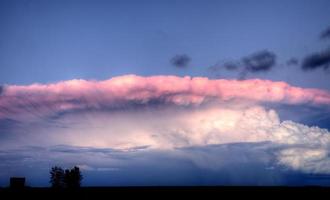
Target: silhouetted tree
(73, 178)
(70, 178)
(57, 177)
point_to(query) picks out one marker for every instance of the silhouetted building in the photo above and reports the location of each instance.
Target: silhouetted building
(17, 182)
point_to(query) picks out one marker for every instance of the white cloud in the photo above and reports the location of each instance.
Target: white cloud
(310, 160)
(301, 147)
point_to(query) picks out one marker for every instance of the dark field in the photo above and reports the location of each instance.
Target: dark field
(164, 191)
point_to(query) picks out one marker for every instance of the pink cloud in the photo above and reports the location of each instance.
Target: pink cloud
(45, 99)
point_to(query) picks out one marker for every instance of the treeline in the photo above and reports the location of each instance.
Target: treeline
(68, 178)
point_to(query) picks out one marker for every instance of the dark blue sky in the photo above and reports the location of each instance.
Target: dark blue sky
(47, 41)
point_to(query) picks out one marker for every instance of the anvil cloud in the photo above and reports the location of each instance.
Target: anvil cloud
(48, 99)
(119, 113)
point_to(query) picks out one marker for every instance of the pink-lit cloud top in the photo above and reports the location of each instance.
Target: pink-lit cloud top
(45, 99)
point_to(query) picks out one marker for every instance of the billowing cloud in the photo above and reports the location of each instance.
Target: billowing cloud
(319, 60)
(309, 160)
(215, 126)
(180, 61)
(289, 144)
(39, 100)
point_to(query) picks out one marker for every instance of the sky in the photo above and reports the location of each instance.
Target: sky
(165, 92)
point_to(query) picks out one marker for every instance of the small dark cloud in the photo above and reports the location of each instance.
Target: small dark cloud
(292, 61)
(180, 61)
(317, 60)
(215, 68)
(325, 34)
(1, 89)
(231, 66)
(260, 61)
(257, 62)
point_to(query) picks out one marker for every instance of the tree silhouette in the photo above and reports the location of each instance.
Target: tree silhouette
(57, 177)
(73, 178)
(70, 178)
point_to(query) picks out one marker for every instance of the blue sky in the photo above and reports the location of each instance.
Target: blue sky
(48, 41)
(155, 126)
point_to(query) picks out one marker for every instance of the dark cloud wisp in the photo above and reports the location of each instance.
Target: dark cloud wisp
(180, 61)
(325, 34)
(292, 61)
(260, 61)
(231, 66)
(1, 89)
(317, 60)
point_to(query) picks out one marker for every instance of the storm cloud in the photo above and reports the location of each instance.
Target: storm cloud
(289, 144)
(214, 125)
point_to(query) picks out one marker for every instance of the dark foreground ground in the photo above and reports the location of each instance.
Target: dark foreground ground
(92, 192)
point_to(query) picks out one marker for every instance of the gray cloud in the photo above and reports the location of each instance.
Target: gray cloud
(325, 34)
(317, 60)
(260, 61)
(292, 61)
(180, 61)
(231, 66)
